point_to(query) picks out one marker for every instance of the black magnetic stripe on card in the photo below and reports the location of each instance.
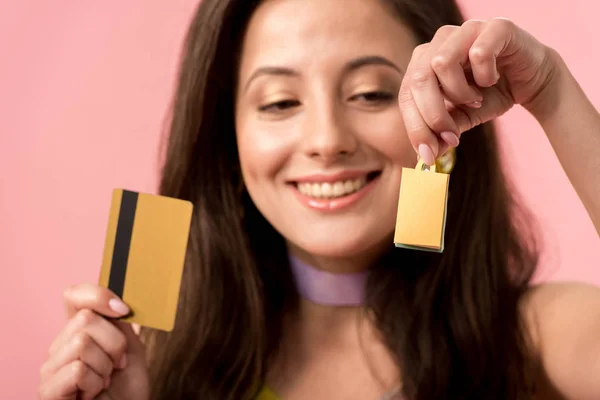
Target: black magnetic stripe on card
(118, 267)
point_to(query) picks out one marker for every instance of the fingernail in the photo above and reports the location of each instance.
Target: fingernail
(450, 138)
(118, 306)
(475, 104)
(426, 154)
(122, 362)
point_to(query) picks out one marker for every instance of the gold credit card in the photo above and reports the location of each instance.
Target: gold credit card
(144, 255)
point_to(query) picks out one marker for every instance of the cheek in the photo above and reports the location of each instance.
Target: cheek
(385, 133)
(264, 149)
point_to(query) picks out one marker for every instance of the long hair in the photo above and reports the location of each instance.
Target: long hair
(452, 321)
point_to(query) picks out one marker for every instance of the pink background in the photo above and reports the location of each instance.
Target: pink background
(84, 87)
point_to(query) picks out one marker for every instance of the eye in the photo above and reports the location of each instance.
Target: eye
(279, 106)
(375, 97)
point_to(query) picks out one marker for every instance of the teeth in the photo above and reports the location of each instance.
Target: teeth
(349, 186)
(338, 189)
(332, 189)
(315, 188)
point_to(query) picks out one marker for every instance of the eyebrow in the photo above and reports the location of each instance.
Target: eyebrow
(350, 66)
(370, 60)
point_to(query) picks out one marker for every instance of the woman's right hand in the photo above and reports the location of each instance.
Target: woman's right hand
(93, 357)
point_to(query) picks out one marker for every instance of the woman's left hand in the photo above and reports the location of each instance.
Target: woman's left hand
(469, 75)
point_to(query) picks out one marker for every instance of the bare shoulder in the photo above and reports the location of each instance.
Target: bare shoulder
(562, 300)
(563, 320)
(560, 294)
(549, 305)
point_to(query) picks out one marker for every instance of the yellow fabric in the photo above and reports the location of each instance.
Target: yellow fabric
(267, 394)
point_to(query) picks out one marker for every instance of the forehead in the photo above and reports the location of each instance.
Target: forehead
(295, 31)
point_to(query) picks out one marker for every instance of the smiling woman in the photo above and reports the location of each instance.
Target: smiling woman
(292, 122)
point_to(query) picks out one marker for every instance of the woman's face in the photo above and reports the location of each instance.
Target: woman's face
(320, 136)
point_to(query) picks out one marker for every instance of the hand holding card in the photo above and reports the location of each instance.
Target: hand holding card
(95, 356)
(144, 255)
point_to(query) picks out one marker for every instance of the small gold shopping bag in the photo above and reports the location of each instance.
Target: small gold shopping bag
(422, 205)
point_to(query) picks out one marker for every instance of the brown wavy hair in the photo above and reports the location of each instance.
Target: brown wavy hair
(452, 321)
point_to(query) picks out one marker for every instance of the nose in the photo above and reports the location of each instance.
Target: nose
(328, 137)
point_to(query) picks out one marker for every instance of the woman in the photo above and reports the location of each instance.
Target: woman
(291, 124)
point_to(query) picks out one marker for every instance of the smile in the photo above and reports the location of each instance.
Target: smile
(335, 192)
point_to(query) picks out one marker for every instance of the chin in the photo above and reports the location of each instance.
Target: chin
(344, 245)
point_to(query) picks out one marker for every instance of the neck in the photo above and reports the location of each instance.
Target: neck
(343, 264)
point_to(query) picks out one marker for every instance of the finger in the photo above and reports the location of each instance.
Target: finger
(423, 139)
(449, 62)
(70, 380)
(81, 347)
(96, 298)
(110, 339)
(427, 95)
(467, 118)
(488, 46)
(429, 100)
(442, 35)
